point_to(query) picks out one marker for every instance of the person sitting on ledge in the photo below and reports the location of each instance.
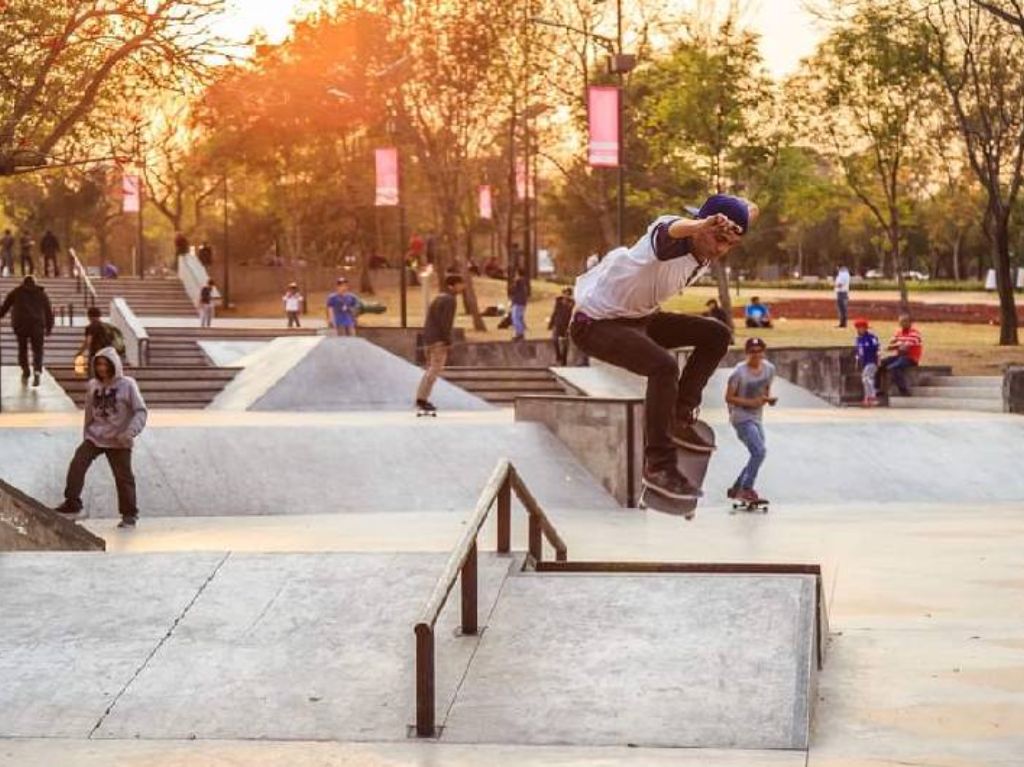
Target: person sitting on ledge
(758, 315)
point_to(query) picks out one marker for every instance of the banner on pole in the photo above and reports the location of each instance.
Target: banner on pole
(485, 202)
(603, 116)
(131, 193)
(387, 176)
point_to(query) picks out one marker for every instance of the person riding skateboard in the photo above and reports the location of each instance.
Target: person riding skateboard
(437, 338)
(618, 319)
(748, 391)
(115, 414)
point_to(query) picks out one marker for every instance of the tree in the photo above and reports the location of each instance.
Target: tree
(978, 61)
(65, 66)
(865, 94)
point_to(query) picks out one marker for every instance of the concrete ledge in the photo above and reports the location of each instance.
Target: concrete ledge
(27, 525)
(136, 339)
(1013, 389)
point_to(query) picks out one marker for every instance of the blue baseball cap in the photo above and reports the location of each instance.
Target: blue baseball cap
(731, 207)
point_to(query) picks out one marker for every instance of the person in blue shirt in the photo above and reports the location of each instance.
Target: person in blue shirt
(758, 315)
(342, 309)
(867, 359)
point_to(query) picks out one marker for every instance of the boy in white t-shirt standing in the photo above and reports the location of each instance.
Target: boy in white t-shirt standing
(618, 319)
(293, 305)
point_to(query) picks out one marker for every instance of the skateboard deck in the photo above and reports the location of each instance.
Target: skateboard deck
(692, 464)
(752, 507)
(421, 413)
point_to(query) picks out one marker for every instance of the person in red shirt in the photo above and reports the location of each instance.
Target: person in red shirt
(907, 347)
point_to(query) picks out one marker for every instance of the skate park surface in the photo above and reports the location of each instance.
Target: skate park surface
(226, 629)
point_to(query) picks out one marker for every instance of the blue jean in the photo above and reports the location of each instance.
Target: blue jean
(519, 320)
(842, 302)
(751, 434)
(895, 367)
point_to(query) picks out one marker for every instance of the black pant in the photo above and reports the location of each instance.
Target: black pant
(27, 265)
(120, 460)
(36, 340)
(293, 320)
(561, 344)
(48, 260)
(641, 346)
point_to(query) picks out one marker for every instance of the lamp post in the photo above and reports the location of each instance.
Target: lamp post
(619, 64)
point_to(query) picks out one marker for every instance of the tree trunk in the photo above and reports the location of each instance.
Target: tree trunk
(1004, 282)
(722, 278)
(897, 265)
(957, 245)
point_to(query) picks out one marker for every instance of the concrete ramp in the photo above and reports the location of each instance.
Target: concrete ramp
(27, 525)
(669, 660)
(346, 374)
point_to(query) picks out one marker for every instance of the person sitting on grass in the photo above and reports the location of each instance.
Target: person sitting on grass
(716, 312)
(758, 315)
(908, 347)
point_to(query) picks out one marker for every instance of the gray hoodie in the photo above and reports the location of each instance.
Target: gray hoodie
(115, 413)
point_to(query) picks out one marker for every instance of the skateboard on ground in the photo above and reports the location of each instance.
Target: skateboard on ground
(424, 413)
(759, 506)
(692, 464)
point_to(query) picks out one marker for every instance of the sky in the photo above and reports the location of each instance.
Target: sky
(788, 31)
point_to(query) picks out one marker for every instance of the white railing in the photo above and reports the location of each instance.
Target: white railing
(193, 275)
(84, 281)
(136, 339)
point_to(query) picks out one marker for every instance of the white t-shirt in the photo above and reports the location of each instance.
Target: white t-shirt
(632, 282)
(292, 302)
(843, 281)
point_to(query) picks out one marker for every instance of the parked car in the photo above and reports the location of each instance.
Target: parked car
(915, 276)
(874, 274)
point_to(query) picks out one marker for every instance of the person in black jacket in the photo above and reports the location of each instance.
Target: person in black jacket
(559, 325)
(32, 319)
(518, 295)
(49, 246)
(437, 337)
(25, 247)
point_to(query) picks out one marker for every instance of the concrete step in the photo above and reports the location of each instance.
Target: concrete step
(959, 392)
(945, 403)
(965, 381)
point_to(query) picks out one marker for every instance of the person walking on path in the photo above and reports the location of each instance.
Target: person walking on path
(868, 346)
(437, 337)
(518, 295)
(749, 389)
(25, 253)
(342, 308)
(842, 287)
(49, 246)
(7, 254)
(115, 414)
(561, 316)
(32, 320)
(206, 299)
(618, 320)
(293, 305)
(908, 346)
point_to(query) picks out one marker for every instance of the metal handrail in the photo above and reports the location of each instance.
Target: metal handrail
(462, 564)
(83, 279)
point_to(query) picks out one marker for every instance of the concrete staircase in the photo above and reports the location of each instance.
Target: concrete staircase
(950, 392)
(180, 346)
(153, 297)
(166, 386)
(501, 385)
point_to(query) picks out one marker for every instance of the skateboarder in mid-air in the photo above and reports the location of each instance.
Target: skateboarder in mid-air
(618, 320)
(437, 339)
(748, 391)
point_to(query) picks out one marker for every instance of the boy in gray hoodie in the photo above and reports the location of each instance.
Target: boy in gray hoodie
(115, 414)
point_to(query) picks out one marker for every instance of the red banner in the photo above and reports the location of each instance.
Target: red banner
(485, 202)
(603, 114)
(387, 176)
(131, 193)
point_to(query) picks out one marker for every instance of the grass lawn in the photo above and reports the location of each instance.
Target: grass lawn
(969, 349)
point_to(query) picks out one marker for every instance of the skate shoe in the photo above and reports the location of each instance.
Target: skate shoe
(670, 483)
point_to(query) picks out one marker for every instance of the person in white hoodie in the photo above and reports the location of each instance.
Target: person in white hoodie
(115, 414)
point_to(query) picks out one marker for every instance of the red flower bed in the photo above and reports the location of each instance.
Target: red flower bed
(822, 308)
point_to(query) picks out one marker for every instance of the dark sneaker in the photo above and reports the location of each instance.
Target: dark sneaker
(24, 379)
(427, 405)
(685, 435)
(670, 483)
(70, 510)
(127, 523)
(35, 379)
(733, 493)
